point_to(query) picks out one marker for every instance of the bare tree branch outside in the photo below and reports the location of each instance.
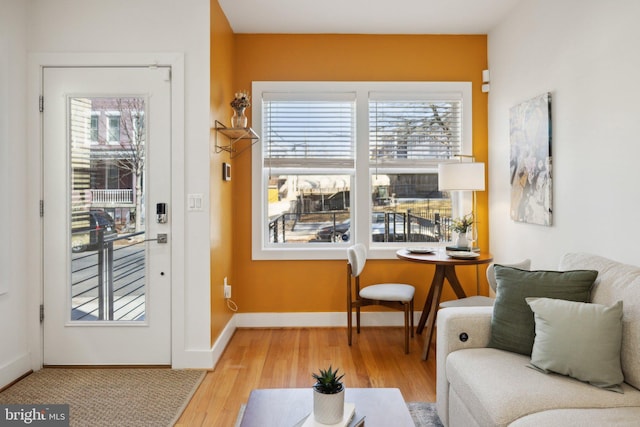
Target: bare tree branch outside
(132, 141)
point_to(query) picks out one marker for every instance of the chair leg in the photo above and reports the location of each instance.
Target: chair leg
(349, 323)
(406, 328)
(349, 305)
(411, 316)
(358, 319)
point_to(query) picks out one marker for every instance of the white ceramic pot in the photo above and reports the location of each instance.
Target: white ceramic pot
(462, 241)
(328, 408)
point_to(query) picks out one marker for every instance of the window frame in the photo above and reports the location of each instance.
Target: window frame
(360, 197)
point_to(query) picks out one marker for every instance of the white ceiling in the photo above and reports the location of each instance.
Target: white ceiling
(365, 16)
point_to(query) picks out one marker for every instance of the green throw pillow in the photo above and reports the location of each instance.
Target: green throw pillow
(512, 323)
(578, 339)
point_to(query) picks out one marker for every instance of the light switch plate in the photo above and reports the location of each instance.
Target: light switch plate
(194, 202)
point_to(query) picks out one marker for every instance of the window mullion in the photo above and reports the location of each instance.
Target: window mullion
(362, 205)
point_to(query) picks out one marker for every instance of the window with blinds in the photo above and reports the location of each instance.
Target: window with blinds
(354, 162)
(404, 132)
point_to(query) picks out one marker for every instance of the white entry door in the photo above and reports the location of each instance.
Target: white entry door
(107, 180)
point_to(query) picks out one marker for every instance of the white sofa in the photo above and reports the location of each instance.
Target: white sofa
(481, 386)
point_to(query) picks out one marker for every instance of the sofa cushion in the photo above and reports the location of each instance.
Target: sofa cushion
(512, 323)
(616, 282)
(618, 417)
(498, 388)
(581, 340)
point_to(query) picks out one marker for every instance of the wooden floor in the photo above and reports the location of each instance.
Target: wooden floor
(278, 358)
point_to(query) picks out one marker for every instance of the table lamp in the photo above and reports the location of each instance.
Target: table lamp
(462, 176)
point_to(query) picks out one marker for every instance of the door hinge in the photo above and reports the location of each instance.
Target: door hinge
(41, 208)
(41, 313)
(41, 104)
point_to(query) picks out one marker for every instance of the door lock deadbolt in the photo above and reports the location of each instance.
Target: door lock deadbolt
(161, 213)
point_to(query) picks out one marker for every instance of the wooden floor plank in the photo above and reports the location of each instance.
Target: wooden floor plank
(279, 358)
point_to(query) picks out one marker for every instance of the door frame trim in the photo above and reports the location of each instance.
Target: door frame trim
(35, 287)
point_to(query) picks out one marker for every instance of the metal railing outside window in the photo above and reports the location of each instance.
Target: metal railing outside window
(108, 281)
(334, 226)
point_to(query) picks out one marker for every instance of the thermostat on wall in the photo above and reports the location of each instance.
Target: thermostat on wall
(226, 172)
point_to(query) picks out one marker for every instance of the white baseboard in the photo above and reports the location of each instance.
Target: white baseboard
(317, 320)
(223, 340)
(15, 369)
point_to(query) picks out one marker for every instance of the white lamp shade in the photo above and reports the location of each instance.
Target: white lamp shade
(461, 176)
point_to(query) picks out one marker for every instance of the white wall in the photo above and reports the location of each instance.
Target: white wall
(31, 28)
(586, 53)
(14, 351)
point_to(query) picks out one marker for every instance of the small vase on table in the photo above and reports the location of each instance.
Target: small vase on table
(462, 241)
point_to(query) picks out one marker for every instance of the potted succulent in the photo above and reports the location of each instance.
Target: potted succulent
(328, 396)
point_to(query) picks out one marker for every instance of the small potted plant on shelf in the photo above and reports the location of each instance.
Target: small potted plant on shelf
(462, 226)
(328, 396)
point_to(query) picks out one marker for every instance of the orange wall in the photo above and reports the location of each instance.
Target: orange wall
(221, 192)
(308, 286)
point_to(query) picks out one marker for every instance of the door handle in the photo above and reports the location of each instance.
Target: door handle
(160, 238)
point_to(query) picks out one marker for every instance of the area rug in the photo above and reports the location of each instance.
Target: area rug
(110, 397)
(423, 414)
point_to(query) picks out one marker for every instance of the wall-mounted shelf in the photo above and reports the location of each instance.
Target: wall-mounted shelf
(234, 136)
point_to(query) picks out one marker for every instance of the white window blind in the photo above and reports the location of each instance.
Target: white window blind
(318, 131)
(411, 131)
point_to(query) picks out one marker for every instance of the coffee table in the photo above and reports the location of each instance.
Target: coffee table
(285, 407)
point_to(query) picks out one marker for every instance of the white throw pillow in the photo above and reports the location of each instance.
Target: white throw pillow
(581, 340)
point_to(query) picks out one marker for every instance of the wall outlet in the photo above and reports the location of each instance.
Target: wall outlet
(227, 289)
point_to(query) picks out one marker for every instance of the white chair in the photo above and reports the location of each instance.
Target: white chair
(481, 300)
(394, 295)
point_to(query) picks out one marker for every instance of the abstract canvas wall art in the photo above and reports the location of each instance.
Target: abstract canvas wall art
(530, 161)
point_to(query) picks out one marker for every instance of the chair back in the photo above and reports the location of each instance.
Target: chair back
(357, 258)
(491, 274)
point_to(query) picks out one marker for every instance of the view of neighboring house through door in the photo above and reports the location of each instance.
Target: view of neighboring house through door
(107, 180)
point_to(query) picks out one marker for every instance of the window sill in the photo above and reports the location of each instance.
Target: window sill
(330, 251)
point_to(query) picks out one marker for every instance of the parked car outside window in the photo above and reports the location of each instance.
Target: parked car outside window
(341, 233)
(86, 238)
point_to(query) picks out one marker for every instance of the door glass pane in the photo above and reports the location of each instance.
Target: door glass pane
(108, 261)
